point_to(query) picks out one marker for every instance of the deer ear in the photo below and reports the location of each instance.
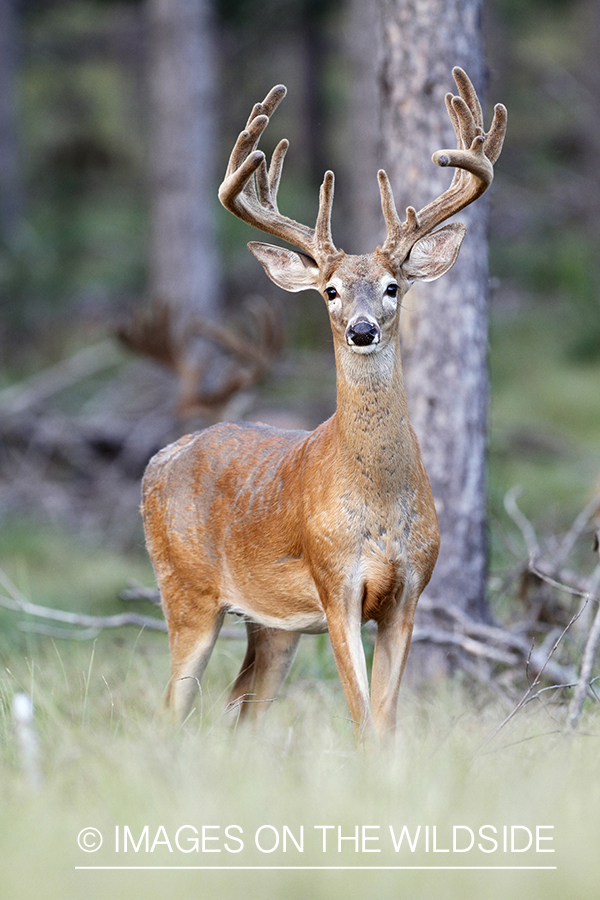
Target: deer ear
(434, 254)
(291, 270)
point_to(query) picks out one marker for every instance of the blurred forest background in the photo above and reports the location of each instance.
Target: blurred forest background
(103, 360)
(90, 197)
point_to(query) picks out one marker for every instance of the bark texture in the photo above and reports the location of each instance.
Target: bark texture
(184, 270)
(444, 326)
(365, 227)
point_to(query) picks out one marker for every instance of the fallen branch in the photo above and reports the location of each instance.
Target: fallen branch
(469, 645)
(493, 634)
(42, 385)
(535, 682)
(576, 591)
(84, 627)
(562, 579)
(19, 603)
(577, 528)
(137, 591)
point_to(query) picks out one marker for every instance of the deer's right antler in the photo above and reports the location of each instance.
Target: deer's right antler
(250, 191)
(474, 157)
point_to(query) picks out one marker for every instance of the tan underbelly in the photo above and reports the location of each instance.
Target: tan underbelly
(278, 596)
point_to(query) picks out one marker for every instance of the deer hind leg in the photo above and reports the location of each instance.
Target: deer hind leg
(389, 659)
(268, 659)
(192, 638)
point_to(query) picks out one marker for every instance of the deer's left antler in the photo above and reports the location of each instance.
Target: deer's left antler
(474, 158)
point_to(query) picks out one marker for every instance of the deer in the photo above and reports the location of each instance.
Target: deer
(322, 531)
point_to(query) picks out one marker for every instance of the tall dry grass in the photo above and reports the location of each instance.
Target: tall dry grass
(107, 762)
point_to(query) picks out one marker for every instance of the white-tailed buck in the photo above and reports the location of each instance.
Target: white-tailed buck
(306, 532)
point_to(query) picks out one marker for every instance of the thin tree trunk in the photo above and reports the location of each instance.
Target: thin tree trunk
(184, 269)
(444, 328)
(365, 227)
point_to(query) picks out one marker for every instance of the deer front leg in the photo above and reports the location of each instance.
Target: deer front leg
(391, 651)
(345, 634)
(266, 664)
(192, 637)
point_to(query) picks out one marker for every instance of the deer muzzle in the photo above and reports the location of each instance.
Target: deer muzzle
(363, 332)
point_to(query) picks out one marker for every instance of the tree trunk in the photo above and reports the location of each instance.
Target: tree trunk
(444, 328)
(184, 269)
(365, 228)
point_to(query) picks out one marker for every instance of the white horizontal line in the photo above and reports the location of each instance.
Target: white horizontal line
(326, 868)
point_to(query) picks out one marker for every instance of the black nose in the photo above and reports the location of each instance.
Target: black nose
(362, 333)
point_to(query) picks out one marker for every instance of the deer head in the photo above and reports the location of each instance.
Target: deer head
(363, 293)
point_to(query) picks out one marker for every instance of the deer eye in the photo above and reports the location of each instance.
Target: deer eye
(331, 293)
(391, 290)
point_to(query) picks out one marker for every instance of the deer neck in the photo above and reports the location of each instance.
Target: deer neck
(374, 438)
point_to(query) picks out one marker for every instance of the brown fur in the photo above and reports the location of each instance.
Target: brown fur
(300, 532)
(308, 532)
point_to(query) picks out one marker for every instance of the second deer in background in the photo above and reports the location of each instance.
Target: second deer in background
(324, 530)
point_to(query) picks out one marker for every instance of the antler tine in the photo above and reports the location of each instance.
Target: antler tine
(469, 95)
(258, 120)
(323, 236)
(269, 104)
(276, 167)
(388, 207)
(249, 190)
(453, 116)
(473, 159)
(494, 139)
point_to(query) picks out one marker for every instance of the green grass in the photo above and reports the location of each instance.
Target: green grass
(107, 763)
(53, 568)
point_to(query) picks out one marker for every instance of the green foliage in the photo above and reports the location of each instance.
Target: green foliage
(83, 166)
(57, 569)
(545, 428)
(548, 61)
(561, 268)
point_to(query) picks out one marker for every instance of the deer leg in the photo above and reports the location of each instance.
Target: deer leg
(242, 686)
(349, 655)
(268, 659)
(391, 651)
(192, 641)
